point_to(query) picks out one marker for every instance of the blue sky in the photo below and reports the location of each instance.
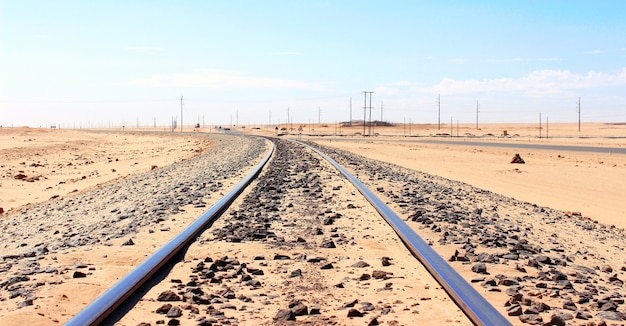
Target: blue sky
(96, 63)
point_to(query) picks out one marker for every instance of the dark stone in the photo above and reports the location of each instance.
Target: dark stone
(79, 274)
(556, 320)
(490, 282)
(569, 305)
(164, 309)
(168, 296)
(315, 260)
(517, 159)
(484, 257)
(296, 273)
(386, 261)
(281, 257)
(25, 303)
(354, 313)
(515, 310)
(253, 283)
(360, 264)
(544, 260)
(511, 256)
(328, 244)
(532, 310)
(610, 315)
(284, 315)
(174, 312)
(609, 306)
(508, 282)
(300, 310)
(327, 266)
(584, 315)
(377, 274)
(128, 242)
(480, 268)
(364, 277)
(531, 319)
(255, 271)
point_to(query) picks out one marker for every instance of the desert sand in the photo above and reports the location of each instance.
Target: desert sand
(61, 163)
(592, 184)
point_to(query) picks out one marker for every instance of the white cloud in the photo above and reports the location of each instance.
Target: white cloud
(143, 49)
(506, 60)
(540, 82)
(549, 59)
(287, 53)
(458, 60)
(215, 79)
(595, 52)
(519, 59)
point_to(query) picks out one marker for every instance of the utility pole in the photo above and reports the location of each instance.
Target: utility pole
(547, 127)
(370, 128)
(365, 109)
(477, 106)
(438, 111)
(287, 118)
(539, 125)
(350, 111)
(404, 124)
(578, 114)
(181, 113)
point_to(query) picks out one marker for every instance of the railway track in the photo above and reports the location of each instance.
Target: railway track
(333, 260)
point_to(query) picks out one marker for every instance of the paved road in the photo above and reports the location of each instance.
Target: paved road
(586, 149)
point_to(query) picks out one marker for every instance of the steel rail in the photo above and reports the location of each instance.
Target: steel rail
(474, 305)
(110, 300)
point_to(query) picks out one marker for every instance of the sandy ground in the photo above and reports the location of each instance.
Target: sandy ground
(593, 184)
(62, 162)
(39, 164)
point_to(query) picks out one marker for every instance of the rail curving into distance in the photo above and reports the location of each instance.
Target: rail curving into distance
(479, 310)
(106, 303)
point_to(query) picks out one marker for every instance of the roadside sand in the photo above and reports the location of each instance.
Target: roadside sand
(592, 184)
(39, 164)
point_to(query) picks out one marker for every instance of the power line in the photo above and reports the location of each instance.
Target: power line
(365, 108)
(181, 113)
(370, 124)
(477, 106)
(350, 111)
(438, 111)
(578, 114)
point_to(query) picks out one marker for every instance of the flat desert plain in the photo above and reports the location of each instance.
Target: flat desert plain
(591, 184)
(39, 165)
